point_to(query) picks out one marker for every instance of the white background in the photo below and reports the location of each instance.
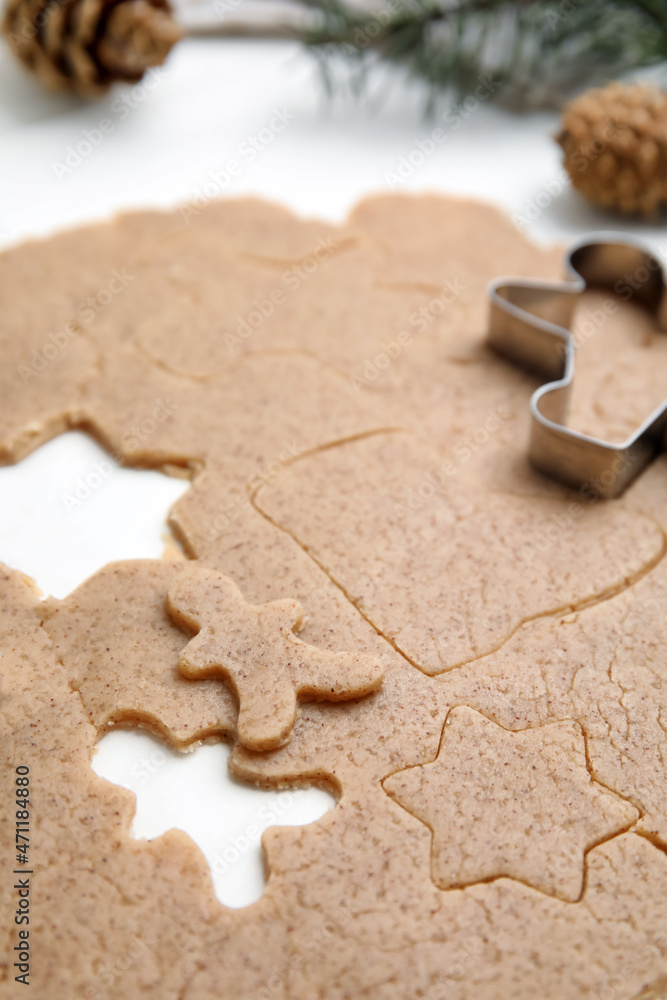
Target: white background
(213, 94)
(163, 149)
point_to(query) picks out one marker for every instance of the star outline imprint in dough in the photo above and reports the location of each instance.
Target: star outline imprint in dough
(254, 649)
(501, 803)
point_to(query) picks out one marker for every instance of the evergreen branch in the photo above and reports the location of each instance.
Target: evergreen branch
(538, 52)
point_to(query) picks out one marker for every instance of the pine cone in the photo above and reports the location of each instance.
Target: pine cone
(615, 144)
(86, 45)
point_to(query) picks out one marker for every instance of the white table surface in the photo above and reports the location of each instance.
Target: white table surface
(213, 94)
(166, 142)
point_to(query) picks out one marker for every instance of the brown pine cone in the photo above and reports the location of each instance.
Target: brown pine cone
(615, 144)
(86, 45)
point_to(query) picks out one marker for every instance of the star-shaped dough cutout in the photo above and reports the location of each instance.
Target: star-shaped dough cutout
(255, 649)
(515, 804)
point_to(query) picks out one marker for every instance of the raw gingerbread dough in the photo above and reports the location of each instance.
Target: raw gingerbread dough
(256, 650)
(355, 449)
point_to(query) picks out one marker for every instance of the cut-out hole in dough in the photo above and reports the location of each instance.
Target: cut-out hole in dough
(194, 792)
(68, 509)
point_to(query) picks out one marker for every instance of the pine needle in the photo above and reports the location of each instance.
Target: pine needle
(538, 53)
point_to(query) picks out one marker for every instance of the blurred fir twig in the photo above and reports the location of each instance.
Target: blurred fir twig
(538, 52)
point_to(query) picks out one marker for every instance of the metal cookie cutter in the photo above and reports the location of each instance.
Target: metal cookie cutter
(529, 324)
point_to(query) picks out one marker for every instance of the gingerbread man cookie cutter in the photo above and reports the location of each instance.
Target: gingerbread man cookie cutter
(529, 324)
